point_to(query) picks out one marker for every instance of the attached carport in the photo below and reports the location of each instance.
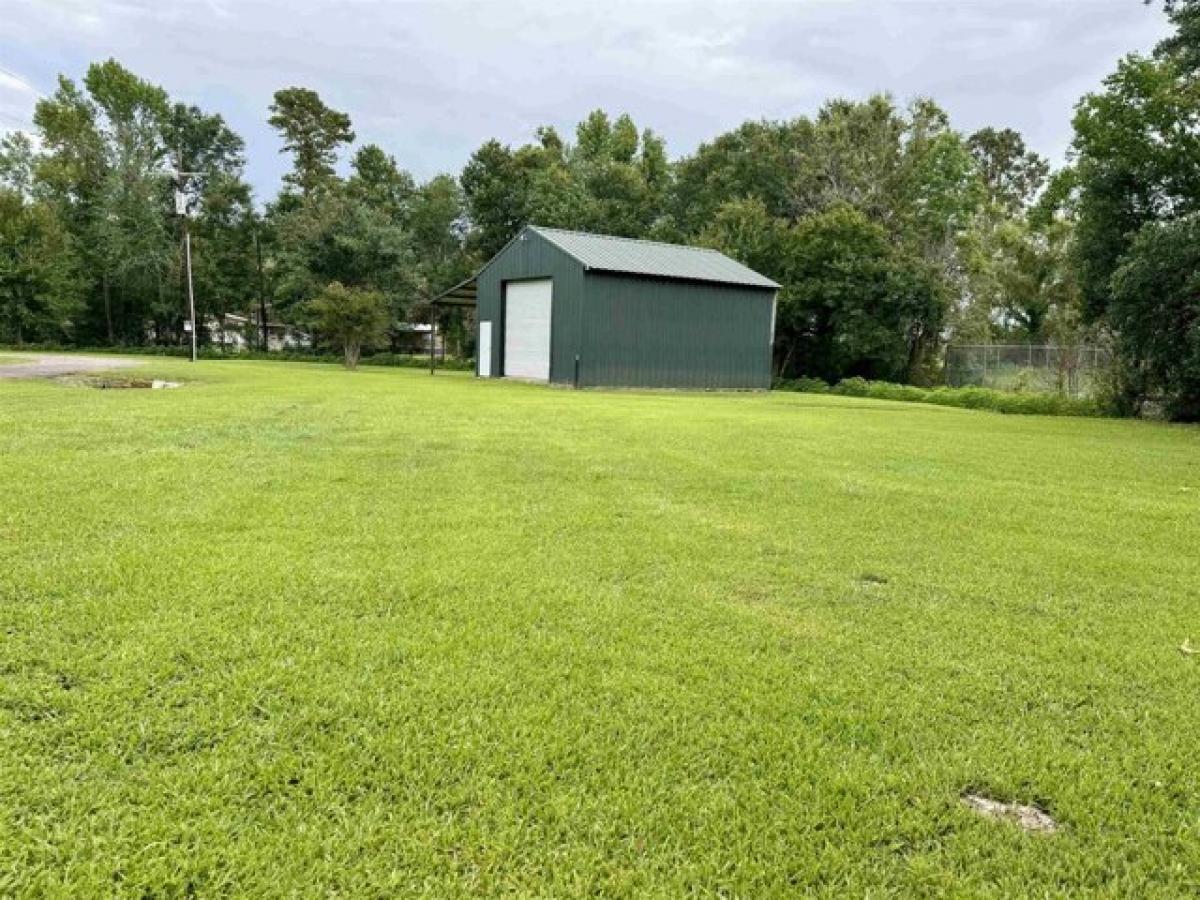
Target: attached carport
(525, 328)
(463, 294)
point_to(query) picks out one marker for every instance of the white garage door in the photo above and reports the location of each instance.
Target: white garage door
(527, 329)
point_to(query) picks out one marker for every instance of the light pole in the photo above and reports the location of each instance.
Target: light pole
(187, 252)
(181, 211)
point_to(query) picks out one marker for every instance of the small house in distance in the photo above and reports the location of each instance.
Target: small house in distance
(591, 310)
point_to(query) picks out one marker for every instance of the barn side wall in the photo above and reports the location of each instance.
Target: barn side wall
(535, 257)
(644, 332)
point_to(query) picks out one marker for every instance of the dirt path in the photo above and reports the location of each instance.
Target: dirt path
(50, 365)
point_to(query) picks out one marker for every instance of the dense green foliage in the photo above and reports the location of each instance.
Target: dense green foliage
(1137, 174)
(312, 133)
(378, 634)
(349, 317)
(891, 232)
(39, 279)
(1155, 306)
(1028, 403)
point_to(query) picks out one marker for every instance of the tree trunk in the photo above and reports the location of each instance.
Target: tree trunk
(108, 322)
(262, 297)
(158, 324)
(15, 314)
(787, 359)
(352, 353)
(916, 350)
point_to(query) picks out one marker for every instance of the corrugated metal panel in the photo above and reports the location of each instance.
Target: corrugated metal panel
(645, 332)
(617, 254)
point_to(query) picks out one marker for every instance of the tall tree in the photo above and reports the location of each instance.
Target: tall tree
(39, 271)
(18, 162)
(437, 228)
(1012, 174)
(614, 180)
(331, 236)
(312, 133)
(1155, 308)
(1136, 193)
(379, 182)
(497, 196)
(1137, 160)
(1184, 44)
(857, 305)
(103, 167)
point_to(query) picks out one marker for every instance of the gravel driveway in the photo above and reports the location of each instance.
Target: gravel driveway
(50, 365)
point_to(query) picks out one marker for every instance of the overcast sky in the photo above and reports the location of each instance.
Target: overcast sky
(431, 81)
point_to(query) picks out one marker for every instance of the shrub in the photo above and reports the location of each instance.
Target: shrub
(1025, 403)
(803, 385)
(853, 387)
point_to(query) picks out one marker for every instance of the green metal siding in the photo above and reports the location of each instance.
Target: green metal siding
(647, 332)
(532, 256)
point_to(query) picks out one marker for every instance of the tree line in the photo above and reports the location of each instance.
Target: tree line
(891, 232)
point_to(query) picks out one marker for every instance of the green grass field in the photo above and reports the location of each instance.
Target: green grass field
(293, 631)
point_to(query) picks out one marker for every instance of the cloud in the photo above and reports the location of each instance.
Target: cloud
(17, 98)
(431, 81)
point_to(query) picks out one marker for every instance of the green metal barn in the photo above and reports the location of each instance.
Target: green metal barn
(591, 310)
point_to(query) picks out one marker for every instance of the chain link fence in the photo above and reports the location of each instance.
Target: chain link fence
(1027, 367)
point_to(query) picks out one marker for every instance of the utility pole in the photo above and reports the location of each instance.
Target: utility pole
(181, 211)
(187, 249)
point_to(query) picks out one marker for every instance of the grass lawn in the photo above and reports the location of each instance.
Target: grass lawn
(294, 631)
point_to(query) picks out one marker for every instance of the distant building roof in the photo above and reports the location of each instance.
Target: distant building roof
(627, 255)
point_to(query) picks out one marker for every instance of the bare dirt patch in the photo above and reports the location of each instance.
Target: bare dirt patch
(54, 365)
(117, 382)
(1030, 818)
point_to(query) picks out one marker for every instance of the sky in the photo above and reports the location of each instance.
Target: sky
(431, 81)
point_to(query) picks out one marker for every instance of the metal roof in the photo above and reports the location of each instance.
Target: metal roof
(462, 294)
(617, 254)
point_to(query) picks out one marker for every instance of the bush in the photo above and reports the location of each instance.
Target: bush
(1026, 403)
(853, 387)
(803, 385)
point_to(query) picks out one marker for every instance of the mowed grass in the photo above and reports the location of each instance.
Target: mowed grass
(292, 631)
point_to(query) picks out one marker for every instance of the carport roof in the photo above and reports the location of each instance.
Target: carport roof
(634, 257)
(462, 294)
